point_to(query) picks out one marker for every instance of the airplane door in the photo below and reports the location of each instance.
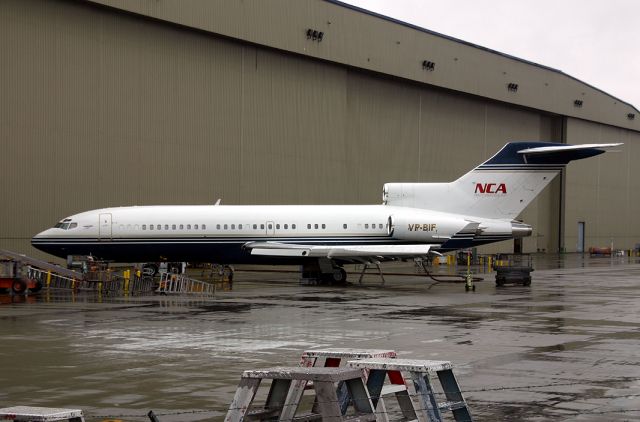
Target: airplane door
(270, 228)
(105, 226)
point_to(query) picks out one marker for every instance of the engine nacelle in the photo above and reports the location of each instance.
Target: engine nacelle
(425, 226)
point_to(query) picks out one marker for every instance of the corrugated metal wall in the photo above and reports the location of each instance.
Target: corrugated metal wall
(359, 39)
(604, 191)
(99, 108)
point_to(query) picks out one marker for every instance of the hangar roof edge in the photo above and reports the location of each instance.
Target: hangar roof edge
(470, 44)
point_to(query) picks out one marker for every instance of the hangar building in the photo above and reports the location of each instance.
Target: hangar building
(114, 102)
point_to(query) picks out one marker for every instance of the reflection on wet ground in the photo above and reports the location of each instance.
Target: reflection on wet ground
(565, 348)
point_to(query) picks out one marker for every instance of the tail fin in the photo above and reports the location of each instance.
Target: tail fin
(501, 187)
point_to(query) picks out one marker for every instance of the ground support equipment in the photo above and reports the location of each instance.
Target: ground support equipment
(40, 414)
(279, 398)
(418, 399)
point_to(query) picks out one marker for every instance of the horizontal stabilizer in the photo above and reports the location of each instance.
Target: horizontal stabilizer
(526, 155)
(562, 154)
(546, 150)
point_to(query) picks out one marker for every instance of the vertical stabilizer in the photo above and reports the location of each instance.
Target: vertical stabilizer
(501, 187)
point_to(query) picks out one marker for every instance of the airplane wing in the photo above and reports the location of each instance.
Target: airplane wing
(341, 252)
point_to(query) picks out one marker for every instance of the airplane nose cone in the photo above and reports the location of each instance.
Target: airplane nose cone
(40, 240)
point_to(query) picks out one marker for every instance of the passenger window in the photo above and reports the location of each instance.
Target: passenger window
(188, 226)
(173, 227)
(195, 226)
(309, 226)
(315, 226)
(286, 226)
(226, 226)
(158, 227)
(217, 226)
(324, 226)
(366, 226)
(379, 226)
(233, 227)
(239, 226)
(166, 227)
(255, 227)
(293, 226)
(181, 226)
(144, 227)
(150, 227)
(344, 226)
(270, 226)
(278, 226)
(262, 226)
(204, 227)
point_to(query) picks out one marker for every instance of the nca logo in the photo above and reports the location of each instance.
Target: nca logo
(491, 188)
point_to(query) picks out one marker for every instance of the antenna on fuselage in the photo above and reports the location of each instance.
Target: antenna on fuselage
(218, 202)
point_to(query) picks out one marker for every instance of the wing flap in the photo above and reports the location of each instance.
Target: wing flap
(336, 251)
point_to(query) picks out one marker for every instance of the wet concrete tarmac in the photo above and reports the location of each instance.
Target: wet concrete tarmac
(565, 348)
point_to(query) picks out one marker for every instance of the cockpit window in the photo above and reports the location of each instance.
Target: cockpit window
(65, 225)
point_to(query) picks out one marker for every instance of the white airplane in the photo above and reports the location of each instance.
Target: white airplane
(414, 220)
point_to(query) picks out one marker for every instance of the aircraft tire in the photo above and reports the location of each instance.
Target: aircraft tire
(339, 276)
(18, 286)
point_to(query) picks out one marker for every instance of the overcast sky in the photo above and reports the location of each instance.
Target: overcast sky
(596, 41)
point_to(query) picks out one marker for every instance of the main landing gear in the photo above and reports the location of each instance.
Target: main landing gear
(324, 271)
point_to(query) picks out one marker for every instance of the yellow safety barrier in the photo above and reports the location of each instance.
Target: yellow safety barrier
(126, 275)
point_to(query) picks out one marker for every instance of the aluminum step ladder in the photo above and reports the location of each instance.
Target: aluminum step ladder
(279, 398)
(333, 358)
(40, 414)
(418, 400)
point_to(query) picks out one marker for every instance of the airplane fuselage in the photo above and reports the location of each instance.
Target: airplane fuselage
(414, 220)
(209, 233)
